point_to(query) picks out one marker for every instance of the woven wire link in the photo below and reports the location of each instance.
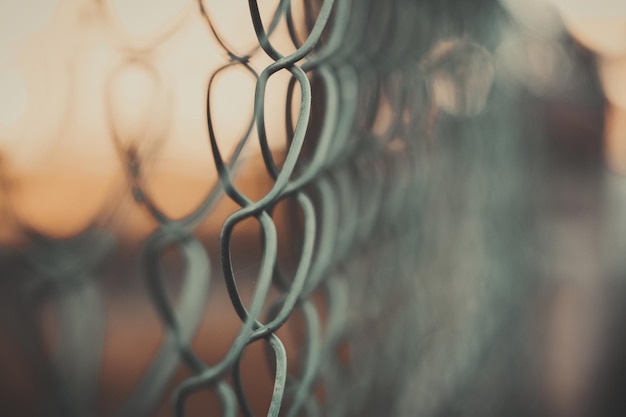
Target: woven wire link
(356, 186)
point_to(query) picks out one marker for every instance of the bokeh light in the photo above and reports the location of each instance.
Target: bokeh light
(462, 74)
(606, 37)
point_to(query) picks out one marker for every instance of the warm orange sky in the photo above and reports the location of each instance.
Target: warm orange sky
(55, 68)
(64, 63)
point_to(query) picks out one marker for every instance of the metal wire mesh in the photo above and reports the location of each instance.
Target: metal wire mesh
(358, 185)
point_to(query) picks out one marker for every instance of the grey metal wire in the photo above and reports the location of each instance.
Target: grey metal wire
(359, 197)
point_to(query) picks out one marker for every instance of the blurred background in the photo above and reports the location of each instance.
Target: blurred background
(500, 290)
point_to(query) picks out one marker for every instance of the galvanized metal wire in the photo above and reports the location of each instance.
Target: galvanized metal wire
(357, 187)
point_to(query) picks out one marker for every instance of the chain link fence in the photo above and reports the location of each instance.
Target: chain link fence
(405, 227)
